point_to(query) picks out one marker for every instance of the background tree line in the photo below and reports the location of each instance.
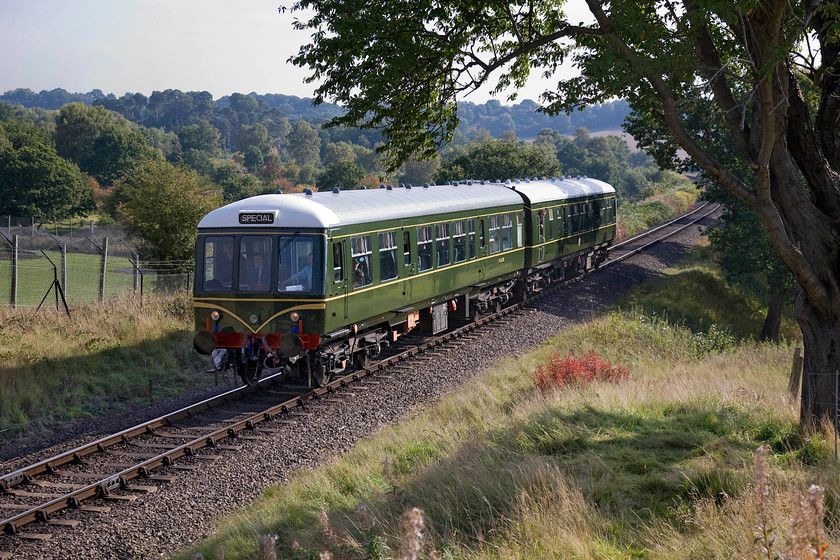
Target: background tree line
(130, 159)
(172, 109)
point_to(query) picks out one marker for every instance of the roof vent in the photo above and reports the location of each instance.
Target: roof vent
(389, 187)
(402, 186)
(336, 190)
(307, 192)
(431, 184)
(543, 178)
(362, 188)
(498, 181)
(527, 180)
(425, 185)
(507, 182)
(278, 191)
(408, 185)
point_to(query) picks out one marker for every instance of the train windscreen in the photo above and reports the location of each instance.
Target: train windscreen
(288, 264)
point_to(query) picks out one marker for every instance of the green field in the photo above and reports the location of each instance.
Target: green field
(84, 272)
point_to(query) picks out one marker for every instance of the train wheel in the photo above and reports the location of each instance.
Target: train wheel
(497, 305)
(361, 359)
(317, 372)
(475, 314)
(249, 371)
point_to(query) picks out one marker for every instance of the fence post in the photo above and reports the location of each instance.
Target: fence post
(15, 255)
(64, 268)
(136, 272)
(795, 375)
(104, 268)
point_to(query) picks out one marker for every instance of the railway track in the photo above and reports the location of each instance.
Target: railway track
(88, 480)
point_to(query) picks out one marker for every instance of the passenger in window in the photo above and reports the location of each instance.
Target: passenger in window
(225, 266)
(257, 277)
(301, 281)
(361, 275)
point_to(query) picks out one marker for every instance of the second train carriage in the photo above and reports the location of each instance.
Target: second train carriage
(314, 283)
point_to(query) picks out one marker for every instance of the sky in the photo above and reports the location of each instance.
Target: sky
(120, 46)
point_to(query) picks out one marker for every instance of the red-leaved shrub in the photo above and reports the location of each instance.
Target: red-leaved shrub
(570, 370)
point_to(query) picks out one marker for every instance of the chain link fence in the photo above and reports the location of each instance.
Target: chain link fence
(40, 262)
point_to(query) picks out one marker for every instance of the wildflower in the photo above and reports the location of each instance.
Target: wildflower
(412, 534)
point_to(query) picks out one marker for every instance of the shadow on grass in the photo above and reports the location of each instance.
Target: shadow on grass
(46, 394)
(631, 469)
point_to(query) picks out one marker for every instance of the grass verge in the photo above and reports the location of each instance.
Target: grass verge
(655, 466)
(125, 352)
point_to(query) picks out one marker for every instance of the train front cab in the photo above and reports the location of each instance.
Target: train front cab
(259, 298)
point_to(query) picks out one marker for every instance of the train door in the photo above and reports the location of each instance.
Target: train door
(408, 266)
(596, 213)
(483, 249)
(542, 224)
(339, 259)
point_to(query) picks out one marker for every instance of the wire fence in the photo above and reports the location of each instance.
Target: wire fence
(43, 264)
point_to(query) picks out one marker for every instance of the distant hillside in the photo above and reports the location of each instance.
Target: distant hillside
(174, 109)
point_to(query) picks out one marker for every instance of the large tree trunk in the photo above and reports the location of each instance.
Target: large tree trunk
(822, 362)
(773, 320)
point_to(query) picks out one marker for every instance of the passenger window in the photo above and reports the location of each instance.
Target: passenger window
(471, 241)
(459, 241)
(520, 229)
(442, 244)
(541, 224)
(424, 248)
(387, 255)
(360, 251)
(481, 234)
(406, 249)
(507, 232)
(494, 235)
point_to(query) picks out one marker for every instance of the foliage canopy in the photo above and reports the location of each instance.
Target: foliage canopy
(399, 66)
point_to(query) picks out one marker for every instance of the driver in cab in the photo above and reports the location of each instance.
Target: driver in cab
(301, 281)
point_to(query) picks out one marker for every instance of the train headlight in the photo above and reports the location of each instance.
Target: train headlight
(253, 318)
(215, 315)
(294, 316)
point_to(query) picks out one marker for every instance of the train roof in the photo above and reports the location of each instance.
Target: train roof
(551, 190)
(321, 210)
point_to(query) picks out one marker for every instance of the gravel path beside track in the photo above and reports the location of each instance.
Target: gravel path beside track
(183, 512)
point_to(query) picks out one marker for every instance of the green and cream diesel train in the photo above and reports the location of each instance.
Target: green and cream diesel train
(315, 283)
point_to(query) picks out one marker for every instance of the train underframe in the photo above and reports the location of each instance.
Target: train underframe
(349, 348)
